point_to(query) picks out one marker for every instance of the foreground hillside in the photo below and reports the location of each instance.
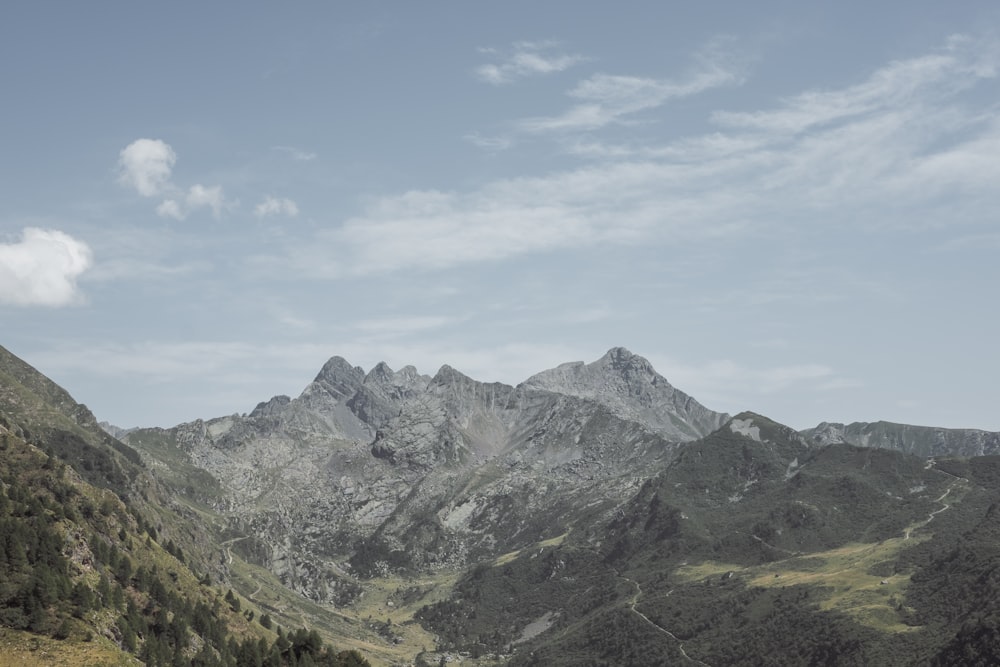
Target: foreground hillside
(86, 577)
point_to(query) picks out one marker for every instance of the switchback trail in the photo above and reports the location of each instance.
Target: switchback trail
(635, 600)
(930, 517)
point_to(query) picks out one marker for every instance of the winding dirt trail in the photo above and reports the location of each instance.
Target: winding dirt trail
(930, 517)
(635, 600)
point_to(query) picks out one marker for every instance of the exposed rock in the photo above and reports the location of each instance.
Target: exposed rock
(920, 440)
(627, 384)
(432, 471)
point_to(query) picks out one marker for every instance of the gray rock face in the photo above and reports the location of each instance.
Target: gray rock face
(114, 431)
(923, 441)
(629, 387)
(398, 469)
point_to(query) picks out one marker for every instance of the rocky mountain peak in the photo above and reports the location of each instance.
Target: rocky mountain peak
(408, 375)
(447, 375)
(381, 374)
(383, 378)
(620, 357)
(271, 407)
(337, 368)
(617, 372)
(630, 386)
(339, 378)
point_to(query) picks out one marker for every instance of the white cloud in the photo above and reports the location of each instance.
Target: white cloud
(169, 208)
(146, 165)
(900, 83)
(276, 206)
(526, 59)
(493, 144)
(42, 268)
(198, 196)
(295, 153)
(606, 99)
(891, 165)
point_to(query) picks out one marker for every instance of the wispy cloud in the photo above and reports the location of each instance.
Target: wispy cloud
(296, 153)
(272, 206)
(523, 60)
(197, 197)
(770, 171)
(133, 269)
(605, 99)
(958, 66)
(41, 269)
(492, 144)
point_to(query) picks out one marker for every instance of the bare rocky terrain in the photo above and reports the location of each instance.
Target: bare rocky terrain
(393, 470)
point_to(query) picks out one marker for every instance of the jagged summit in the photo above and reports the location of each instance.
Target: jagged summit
(617, 369)
(380, 373)
(448, 375)
(338, 369)
(629, 385)
(620, 381)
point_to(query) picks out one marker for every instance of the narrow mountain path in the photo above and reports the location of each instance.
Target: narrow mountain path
(930, 517)
(229, 553)
(635, 600)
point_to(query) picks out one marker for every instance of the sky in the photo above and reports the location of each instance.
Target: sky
(786, 207)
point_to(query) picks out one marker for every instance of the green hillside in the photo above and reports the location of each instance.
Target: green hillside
(756, 551)
(86, 578)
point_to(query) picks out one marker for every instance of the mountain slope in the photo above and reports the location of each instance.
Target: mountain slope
(85, 576)
(751, 548)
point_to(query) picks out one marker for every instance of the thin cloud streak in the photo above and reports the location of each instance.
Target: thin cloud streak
(870, 169)
(295, 153)
(607, 99)
(527, 59)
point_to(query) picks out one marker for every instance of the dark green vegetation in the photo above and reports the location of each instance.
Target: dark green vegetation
(757, 551)
(85, 575)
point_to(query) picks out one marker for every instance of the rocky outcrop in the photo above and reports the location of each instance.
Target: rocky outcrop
(627, 385)
(925, 441)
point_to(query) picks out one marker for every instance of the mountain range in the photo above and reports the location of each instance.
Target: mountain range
(592, 515)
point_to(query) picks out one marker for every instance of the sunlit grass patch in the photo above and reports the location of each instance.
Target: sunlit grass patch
(551, 542)
(29, 650)
(844, 575)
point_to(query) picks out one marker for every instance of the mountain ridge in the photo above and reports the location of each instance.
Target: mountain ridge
(475, 511)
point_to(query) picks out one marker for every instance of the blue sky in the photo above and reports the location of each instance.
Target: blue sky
(785, 207)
